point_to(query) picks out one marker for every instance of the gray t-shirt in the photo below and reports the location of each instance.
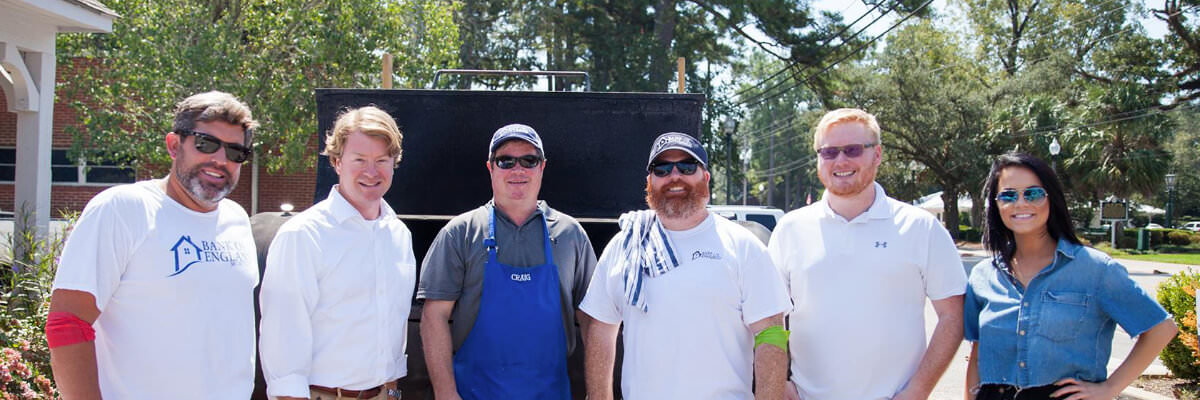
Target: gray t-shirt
(453, 267)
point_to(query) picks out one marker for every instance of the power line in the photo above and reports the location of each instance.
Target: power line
(826, 43)
(844, 58)
(1123, 116)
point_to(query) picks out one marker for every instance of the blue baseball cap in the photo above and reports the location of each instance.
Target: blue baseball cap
(515, 131)
(678, 141)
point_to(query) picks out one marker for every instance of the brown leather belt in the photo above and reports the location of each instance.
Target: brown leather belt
(354, 394)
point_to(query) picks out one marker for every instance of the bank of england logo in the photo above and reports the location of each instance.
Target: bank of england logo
(522, 277)
(189, 252)
(706, 254)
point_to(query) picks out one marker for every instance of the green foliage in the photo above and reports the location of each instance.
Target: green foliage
(967, 233)
(270, 53)
(24, 302)
(1178, 296)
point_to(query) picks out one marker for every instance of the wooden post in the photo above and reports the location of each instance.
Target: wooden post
(387, 70)
(680, 69)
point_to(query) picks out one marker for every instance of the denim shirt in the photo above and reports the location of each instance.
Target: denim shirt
(1061, 326)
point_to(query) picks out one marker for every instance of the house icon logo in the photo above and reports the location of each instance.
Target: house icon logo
(186, 254)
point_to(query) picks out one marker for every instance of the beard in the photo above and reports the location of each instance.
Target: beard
(677, 206)
(201, 191)
(864, 178)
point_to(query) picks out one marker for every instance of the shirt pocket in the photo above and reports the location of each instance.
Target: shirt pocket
(1062, 315)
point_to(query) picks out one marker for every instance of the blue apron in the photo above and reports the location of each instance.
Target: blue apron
(517, 348)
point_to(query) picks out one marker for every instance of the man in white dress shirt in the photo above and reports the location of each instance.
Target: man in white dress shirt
(340, 276)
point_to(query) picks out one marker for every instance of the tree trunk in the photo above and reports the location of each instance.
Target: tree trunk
(977, 207)
(661, 63)
(950, 210)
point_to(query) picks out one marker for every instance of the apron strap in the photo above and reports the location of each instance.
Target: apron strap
(490, 242)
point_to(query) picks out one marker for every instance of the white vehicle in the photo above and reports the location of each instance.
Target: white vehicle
(765, 216)
(1193, 226)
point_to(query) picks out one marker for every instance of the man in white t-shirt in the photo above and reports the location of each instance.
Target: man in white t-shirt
(153, 298)
(340, 275)
(859, 266)
(701, 302)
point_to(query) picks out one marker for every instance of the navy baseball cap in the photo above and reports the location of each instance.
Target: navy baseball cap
(516, 131)
(678, 141)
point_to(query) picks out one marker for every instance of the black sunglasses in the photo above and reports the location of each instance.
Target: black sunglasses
(508, 162)
(1033, 195)
(209, 144)
(663, 168)
(851, 150)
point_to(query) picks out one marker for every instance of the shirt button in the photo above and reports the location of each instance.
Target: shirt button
(1027, 304)
(1022, 364)
(1022, 333)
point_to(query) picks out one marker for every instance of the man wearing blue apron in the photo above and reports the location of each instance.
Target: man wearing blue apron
(509, 275)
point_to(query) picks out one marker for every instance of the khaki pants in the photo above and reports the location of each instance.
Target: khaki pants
(323, 395)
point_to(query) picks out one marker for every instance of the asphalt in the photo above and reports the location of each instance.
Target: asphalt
(1147, 274)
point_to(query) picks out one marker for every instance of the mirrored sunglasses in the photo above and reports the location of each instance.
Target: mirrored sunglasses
(1033, 195)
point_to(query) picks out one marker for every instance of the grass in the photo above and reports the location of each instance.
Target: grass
(1173, 255)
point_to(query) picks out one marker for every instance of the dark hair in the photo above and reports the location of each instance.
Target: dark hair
(997, 238)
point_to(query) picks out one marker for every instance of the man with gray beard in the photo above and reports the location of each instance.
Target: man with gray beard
(701, 302)
(157, 276)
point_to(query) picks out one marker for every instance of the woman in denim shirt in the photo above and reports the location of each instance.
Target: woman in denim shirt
(1041, 313)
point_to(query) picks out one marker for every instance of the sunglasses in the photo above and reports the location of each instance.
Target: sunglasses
(1033, 195)
(508, 162)
(851, 150)
(209, 144)
(686, 167)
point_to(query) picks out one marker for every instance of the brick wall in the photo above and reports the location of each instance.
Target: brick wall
(274, 189)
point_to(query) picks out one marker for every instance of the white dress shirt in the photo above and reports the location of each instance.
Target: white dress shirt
(335, 300)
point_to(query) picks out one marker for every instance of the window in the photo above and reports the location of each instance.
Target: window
(64, 170)
(766, 220)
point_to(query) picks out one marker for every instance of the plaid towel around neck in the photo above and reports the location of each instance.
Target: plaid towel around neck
(645, 251)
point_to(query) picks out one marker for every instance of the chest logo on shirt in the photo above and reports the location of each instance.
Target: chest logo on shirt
(881, 245)
(189, 252)
(522, 277)
(706, 254)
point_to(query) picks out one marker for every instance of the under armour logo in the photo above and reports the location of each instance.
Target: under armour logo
(881, 244)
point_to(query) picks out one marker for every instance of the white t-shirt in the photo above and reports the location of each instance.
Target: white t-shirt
(859, 288)
(175, 293)
(695, 340)
(335, 299)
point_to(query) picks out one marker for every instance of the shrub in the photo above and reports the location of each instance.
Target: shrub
(1178, 295)
(969, 234)
(24, 302)
(1179, 237)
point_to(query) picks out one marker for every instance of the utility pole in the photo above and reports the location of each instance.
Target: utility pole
(729, 127)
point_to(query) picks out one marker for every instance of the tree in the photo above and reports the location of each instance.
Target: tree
(270, 53)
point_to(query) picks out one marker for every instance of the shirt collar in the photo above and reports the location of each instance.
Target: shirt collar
(1067, 249)
(542, 209)
(879, 207)
(342, 210)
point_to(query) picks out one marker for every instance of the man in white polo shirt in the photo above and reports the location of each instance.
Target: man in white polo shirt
(153, 298)
(701, 303)
(340, 276)
(859, 266)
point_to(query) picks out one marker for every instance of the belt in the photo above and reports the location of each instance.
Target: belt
(356, 394)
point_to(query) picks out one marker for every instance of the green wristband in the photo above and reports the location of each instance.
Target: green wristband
(774, 335)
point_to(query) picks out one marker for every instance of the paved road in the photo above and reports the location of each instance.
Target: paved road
(952, 384)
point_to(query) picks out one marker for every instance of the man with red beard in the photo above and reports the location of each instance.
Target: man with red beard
(510, 274)
(701, 302)
(859, 266)
(153, 298)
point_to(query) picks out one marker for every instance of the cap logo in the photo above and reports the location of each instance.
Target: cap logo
(664, 141)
